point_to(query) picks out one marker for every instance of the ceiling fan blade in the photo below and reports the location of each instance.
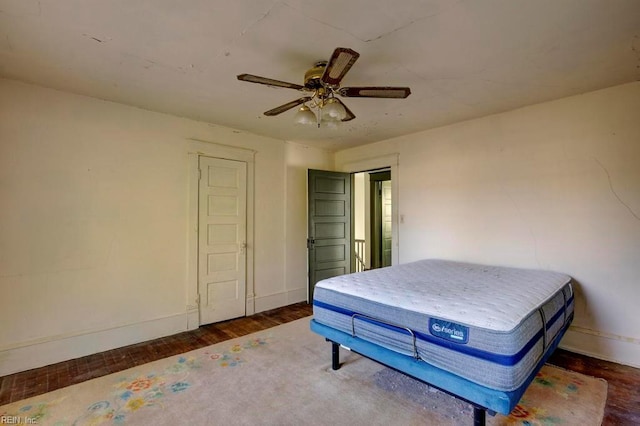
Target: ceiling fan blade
(375, 92)
(269, 81)
(340, 63)
(287, 106)
(350, 115)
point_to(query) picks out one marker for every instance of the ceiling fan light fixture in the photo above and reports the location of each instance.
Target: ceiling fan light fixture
(322, 84)
(304, 116)
(333, 110)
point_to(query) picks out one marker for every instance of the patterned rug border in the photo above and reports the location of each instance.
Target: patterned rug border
(149, 389)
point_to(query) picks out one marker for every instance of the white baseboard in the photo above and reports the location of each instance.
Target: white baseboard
(28, 355)
(193, 318)
(278, 300)
(38, 353)
(605, 346)
(297, 295)
(34, 354)
(272, 301)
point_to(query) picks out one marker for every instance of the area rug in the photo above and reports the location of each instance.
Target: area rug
(283, 376)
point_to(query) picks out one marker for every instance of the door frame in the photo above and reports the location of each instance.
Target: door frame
(196, 149)
(376, 216)
(390, 161)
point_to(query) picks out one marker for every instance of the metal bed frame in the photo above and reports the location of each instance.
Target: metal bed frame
(483, 400)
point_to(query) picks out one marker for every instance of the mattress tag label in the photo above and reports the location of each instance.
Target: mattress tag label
(449, 330)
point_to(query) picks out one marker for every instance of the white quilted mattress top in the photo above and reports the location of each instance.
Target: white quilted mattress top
(493, 297)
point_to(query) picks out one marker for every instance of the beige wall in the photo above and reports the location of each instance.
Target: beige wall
(552, 186)
(95, 219)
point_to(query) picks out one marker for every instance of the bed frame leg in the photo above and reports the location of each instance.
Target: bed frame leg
(479, 416)
(335, 355)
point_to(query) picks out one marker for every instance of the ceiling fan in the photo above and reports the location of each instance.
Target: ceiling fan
(322, 82)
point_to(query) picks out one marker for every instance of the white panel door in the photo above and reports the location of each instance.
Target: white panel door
(222, 239)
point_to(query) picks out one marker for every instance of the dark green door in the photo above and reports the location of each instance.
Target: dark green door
(329, 238)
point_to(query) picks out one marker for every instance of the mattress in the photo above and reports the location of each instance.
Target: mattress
(488, 324)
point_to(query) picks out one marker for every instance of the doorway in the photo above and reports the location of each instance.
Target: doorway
(329, 239)
(196, 294)
(380, 211)
(373, 219)
(352, 224)
(222, 239)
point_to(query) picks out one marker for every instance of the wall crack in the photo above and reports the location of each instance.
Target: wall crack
(260, 19)
(363, 40)
(613, 190)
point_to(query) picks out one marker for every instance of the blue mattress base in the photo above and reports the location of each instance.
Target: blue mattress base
(488, 399)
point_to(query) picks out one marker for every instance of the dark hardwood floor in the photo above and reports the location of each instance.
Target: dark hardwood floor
(623, 401)
(623, 397)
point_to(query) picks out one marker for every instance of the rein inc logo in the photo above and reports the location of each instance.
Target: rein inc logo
(449, 330)
(17, 420)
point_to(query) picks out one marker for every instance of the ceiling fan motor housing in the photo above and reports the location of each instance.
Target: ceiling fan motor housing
(313, 75)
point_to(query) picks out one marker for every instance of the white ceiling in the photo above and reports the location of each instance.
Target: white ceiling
(461, 59)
